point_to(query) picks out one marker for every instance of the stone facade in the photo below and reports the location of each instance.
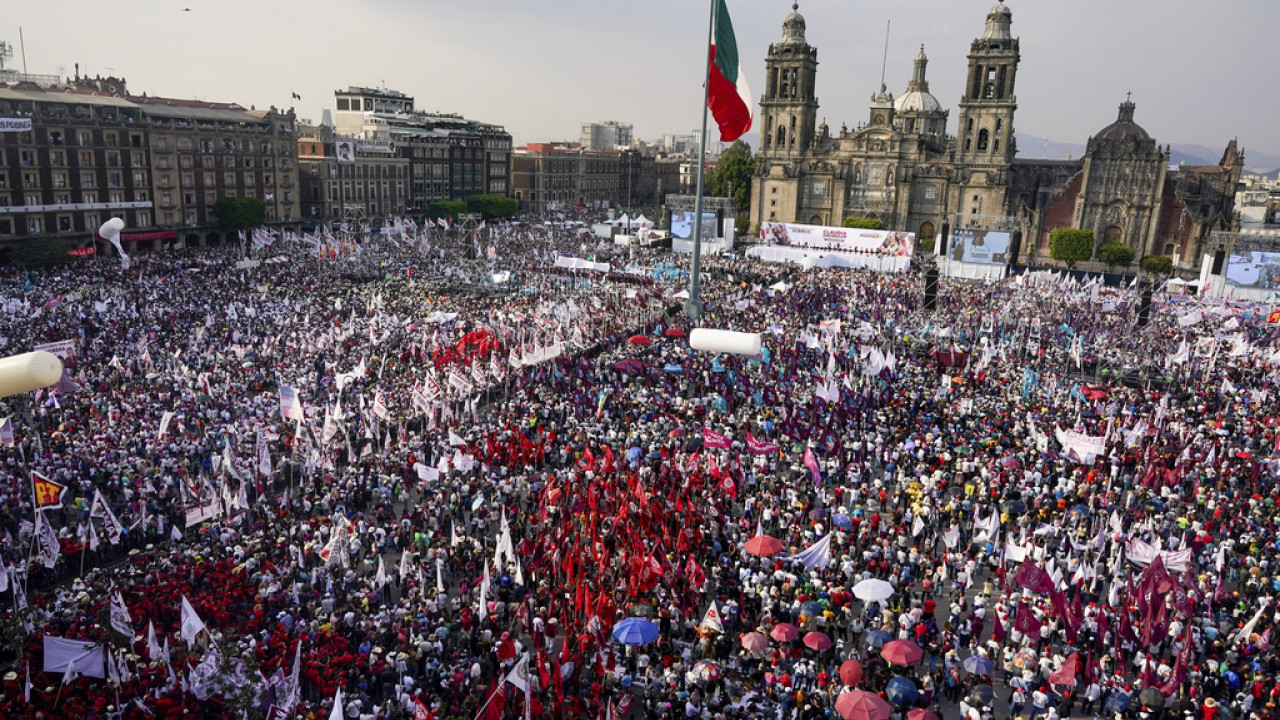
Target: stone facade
(902, 167)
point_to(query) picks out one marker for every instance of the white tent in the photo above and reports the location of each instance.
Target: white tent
(682, 295)
(641, 220)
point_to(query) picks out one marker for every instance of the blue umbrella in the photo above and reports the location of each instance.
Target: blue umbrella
(1117, 702)
(635, 631)
(901, 691)
(979, 665)
(1232, 679)
(673, 368)
(876, 638)
(841, 520)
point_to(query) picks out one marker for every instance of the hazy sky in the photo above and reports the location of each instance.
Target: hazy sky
(1200, 72)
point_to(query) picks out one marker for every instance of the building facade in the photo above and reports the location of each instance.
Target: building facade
(605, 136)
(551, 177)
(373, 185)
(900, 165)
(450, 157)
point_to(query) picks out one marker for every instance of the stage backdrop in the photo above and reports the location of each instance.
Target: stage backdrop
(839, 239)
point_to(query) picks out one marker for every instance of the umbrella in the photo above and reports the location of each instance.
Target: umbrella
(1151, 697)
(982, 695)
(817, 641)
(873, 589)
(640, 340)
(763, 545)
(705, 672)
(921, 714)
(1117, 702)
(755, 642)
(784, 632)
(676, 433)
(876, 638)
(672, 368)
(811, 608)
(841, 520)
(850, 672)
(630, 365)
(862, 705)
(1011, 463)
(675, 333)
(979, 665)
(902, 652)
(635, 631)
(901, 691)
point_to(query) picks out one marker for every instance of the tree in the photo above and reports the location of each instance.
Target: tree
(1157, 264)
(925, 245)
(731, 177)
(1115, 254)
(40, 251)
(860, 223)
(1071, 246)
(237, 213)
(492, 206)
(446, 209)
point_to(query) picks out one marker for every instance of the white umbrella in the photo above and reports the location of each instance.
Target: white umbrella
(873, 590)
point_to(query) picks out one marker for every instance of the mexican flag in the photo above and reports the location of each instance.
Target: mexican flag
(727, 93)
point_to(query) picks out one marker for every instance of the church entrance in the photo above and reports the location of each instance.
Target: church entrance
(1113, 234)
(815, 220)
(926, 231)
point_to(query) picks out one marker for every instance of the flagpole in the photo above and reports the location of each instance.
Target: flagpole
(693, 306)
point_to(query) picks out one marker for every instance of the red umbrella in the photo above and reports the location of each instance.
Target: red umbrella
(640, 340)
(755, 642)
(921, 714)
(817, 641)
(862, 705)
(784, 632)
(902, 652)
(763, 545)
(851, 673)
(675, 333)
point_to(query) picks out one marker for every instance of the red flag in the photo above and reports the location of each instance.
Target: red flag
(48, 494)
(1033, 577)
(421, 712)
(1066, 675)
(760, 447)
(713, 439)
(495, 701)
(1026, 622)
(729, 487)
(997, 630)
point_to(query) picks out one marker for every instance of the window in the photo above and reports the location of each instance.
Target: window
(84, 137)
(209, 179)
(62, 198)
(113, 159)
(91, 221)
(28, 158)
(6, 226)
(168, 218)
(206, 146)
(229, 179)
(266, 179)
(34, 224)
(164, 181)
(135, 140)
(185, 144)
(999, 124)
(288, 197)
(57, 157)
(188, 198)
(984, 138)
(248, 179)
(248, 162)
(188, 179)
(228, 161)
(184, 162)
(137, 159)
(210, 198)
(144, 218)
(64, 223)
(89, 197)
(140, 178)
(113, 179)
(344, 104)
(190, 217)
(86, 180)
(115, 197)
(109, 138)
(30, 180)
(166, 199)
(206, 163)
(55, 137)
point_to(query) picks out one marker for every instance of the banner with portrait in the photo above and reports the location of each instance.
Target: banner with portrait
(868, 242)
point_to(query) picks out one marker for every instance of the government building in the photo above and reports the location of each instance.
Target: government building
(903, 167)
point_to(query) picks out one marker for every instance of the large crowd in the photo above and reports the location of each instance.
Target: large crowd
(466, 483)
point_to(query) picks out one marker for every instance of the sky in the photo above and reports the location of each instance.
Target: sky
(1199, 72)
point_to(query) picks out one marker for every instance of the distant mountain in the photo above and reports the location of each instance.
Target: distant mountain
(1255, 162)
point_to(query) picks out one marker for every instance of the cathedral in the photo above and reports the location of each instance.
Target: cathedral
(902, 167)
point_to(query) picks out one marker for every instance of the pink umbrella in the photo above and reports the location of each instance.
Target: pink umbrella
(851, 673)
(921, 714)
(784, 632)
(675, 333)
(862, 705)
(755, 642)
(763, 545)
(639, 340)
(902, 652)
(817, 641)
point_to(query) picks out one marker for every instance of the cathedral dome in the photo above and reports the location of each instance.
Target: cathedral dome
(1124, 128)
(793, 26)
(917, 101)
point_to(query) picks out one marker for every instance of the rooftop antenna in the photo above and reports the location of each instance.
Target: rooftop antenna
(885, 62)
(23, 43)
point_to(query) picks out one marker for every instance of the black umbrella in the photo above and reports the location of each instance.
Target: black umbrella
(1151, 697)
(982, 695)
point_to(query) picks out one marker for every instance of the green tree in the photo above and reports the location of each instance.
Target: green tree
(863, 223)
(925, 245)
(1157, 264)
(237, 213)
(446, 209)
(1071, 246)
(731, 177)
(40, 251)
(1115, 254)
(491, 207)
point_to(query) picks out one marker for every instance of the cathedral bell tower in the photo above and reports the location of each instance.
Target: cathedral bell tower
(789, 107)
(985, 145)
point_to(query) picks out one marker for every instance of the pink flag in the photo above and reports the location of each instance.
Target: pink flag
(760, 447)
(1026, 622)
(713, 439)
(811, 462)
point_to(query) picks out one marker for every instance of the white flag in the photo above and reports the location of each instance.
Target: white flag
(519, 675)
(153, 647)
(455, 441)
(120, 620)
(711, 621)
(164, 423)
(192, 625)
(110, 523)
